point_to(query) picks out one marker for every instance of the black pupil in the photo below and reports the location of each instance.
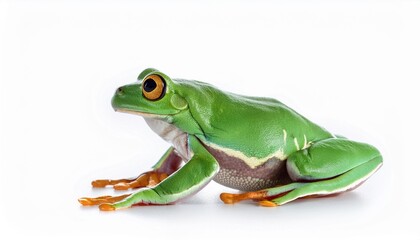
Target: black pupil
(149, 85)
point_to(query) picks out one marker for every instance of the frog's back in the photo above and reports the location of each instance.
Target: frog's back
(249, 124)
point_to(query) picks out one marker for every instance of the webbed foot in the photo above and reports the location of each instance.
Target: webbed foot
(147, 179)
(85, 201)
(231, 198)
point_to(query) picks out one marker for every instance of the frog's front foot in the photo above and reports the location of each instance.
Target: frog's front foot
(103, 200)
(147, 179)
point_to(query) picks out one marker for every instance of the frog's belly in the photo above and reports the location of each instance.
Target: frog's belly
(235, 173)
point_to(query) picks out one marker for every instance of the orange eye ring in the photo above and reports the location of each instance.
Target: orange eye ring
(153, 87)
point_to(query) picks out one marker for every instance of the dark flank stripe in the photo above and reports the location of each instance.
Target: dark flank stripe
(235, 173)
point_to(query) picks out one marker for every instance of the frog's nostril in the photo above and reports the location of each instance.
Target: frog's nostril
(120, 91)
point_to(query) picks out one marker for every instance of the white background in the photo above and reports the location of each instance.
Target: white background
(350, 66)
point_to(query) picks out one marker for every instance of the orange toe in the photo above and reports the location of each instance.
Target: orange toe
(84, 201)
(266, 203)
(121, 186)
(228, 198)
(106, 207)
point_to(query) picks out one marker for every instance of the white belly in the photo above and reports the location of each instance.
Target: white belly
(171, 134)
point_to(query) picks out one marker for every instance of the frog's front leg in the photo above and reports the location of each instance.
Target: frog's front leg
(167, 165)
(189, 179)
(328, 167)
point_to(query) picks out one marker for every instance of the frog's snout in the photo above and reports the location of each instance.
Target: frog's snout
(118, 94)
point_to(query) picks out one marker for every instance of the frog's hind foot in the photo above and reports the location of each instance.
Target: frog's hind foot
(147, 179)
(232, 198)
(264, 196)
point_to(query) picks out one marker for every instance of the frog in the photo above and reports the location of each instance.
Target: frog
(259, 146)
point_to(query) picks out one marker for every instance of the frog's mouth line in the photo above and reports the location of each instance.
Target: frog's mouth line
(142, 114)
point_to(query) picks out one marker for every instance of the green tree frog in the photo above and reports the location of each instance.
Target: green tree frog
(259, 146)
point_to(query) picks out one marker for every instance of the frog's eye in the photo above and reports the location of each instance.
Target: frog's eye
(153, 87)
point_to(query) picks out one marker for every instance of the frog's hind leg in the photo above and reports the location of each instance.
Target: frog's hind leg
(329, 167)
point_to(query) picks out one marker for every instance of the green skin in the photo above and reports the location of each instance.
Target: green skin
(249, 129)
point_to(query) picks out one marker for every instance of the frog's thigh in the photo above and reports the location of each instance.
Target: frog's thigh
(329, 158)
(331, 166)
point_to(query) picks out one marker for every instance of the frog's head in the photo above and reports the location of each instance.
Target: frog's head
(153, 95)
